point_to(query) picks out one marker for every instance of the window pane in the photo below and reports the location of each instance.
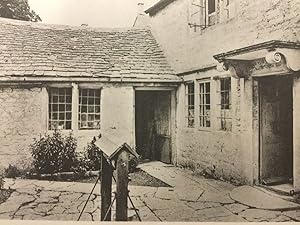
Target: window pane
(61, 99)
(69, 99)
(55, 99)
(91, 101)
(62, 108)
(211, 6)
(91, 109)
(68, 107)
(68, 116)
(68, 125)
(84, 92)
(83, 109)
(83, 117)
(61, 91)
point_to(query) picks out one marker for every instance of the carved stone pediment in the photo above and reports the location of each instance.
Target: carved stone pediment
(281, 61)
(264, 59)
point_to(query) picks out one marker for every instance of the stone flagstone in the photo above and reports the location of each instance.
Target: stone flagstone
(192, 198)
(255, 198)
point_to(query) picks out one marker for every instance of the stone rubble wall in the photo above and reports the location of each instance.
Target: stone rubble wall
(23, 118)
(21, 121)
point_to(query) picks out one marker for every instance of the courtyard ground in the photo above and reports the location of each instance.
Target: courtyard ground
(190, 198)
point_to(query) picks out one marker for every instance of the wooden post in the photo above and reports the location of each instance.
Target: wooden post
(106, 182)
(122, 186)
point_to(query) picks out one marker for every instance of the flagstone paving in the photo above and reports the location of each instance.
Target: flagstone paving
(189, 198)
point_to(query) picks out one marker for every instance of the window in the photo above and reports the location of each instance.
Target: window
(225, 95)
(190, 104)
(60, 108)
(202, 14)
(204, 104)
(89, 109)
(211, 6)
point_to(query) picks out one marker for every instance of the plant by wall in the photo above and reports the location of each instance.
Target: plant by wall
(1, 181)
(54, 153)
(93, 157)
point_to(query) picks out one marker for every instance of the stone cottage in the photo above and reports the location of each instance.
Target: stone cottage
(80, 79)
(209, 84)
(238, 105)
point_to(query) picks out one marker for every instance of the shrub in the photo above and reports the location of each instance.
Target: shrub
(54, 153)
(12, 172)
(93, 157)
(132, 164)
(1, 180)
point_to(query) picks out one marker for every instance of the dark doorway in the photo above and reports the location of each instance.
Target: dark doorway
(276, 130)
(152, 125)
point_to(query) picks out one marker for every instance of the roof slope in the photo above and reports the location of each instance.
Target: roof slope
(39, 50)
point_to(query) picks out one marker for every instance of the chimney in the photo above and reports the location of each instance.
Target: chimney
(140, 8)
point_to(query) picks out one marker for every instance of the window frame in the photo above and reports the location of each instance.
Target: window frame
(202, 96)
(212, 14)
(50, 106)
(87, 105)
(223, 106)
(215, 7)
(187, 105)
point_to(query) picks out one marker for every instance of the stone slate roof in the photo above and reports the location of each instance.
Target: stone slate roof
(33, 50)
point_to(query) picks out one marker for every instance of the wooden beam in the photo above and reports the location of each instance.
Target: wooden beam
(106, 182)
(122, 186)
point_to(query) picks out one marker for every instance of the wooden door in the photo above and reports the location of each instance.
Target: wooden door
(276, 130)
(162, 122)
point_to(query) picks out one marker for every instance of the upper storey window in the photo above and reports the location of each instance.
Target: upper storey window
(211, 6)
(205, 13)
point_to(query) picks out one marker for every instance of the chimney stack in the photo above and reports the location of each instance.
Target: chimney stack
(140, 8)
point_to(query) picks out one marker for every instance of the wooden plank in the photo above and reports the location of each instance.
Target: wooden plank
(122, 187)
(106, 183)
(296, 133)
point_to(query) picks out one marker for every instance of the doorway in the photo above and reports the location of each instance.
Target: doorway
(276, 130)
(152, 125)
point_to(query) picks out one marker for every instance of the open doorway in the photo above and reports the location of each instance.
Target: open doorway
(276, 130)
(152, 125)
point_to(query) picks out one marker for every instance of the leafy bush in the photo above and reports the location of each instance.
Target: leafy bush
(132, 164)
(12, 171)
(54, 153)
(93, 157)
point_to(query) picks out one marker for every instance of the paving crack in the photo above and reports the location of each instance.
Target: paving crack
(152, 211)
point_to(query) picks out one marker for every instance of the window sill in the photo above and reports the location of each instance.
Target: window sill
(206, 129)
(83, 129)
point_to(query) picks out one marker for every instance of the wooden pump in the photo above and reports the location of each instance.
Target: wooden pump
(115, 155)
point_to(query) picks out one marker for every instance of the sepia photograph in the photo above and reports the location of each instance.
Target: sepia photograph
(149, 111)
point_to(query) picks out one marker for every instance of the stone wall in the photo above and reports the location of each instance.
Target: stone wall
(21, 120)
(23, 115)
(254, 22)
(224, 154)
(117, 114)
(230, 155)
